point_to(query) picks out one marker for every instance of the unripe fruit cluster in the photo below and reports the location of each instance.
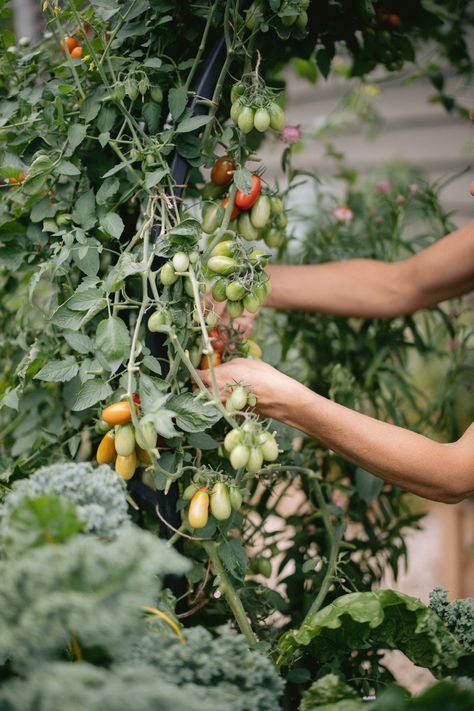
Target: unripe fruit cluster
(174, 269)
(250, 446)
(255, 110)
(220, 502)
(239, 399)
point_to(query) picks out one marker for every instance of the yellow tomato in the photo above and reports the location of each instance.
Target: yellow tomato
(198, 513)
(106, 449)
(125, 466)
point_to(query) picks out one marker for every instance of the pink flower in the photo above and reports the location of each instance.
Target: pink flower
(343, 214)
(452, 343)
(383, 186)
(291, 134)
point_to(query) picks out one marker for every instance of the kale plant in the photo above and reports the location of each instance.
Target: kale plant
(458, 616)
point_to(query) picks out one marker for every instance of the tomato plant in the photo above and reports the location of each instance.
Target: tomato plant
(104, 270)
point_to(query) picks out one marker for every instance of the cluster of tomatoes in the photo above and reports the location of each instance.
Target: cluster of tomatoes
(292, 12)
(128, 445)
(176, 268)
(249, 446)
(219, 500)
(71, 45)
(255, 109)
(239, 399)
(17, 180)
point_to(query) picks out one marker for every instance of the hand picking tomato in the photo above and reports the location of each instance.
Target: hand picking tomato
(118, 413)
(235, 210)
(216, 359)
(222, 171)
(70, 42)
(246, 200)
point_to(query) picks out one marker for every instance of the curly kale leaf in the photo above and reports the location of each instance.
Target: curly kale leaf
(384, 619)
(97, 492)
(458, 616)
(245, 678)
(87, 589)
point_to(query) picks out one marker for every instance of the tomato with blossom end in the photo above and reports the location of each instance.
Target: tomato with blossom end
(118, 413)
(246, 228)
(216, 360)
(223, 249)
(239, 456)
(235, 291)
(221, 507)
(168, 275)
(252, 303)
(268, 446)
(246, 200)
(211, 219)
(125, 466)
(198, 513)
(124, 440)
(180, 262)
(235, 209)
(106, 449)
(238, 397)
(222, 265)
(223, 171)
(277, 116)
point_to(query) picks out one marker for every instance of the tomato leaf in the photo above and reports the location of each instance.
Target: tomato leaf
(368, 486)
(153, 393)
(152, 179)
(112, 224)
(193, 415)
(202, 440)
(65, 167)
(243, 180)
(79, 342)
(84, 211)
(234, 558)
(58, 371)
(177, 100)
(112, 340)
(84, 300)
(91, 392)
(107, 190)
(75, 135)
(192, 124)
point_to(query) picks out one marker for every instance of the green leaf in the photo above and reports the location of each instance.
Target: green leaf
(327, 690)
(113, 342)
(323, 60)
(192, 124)
(177, 100)
(91, 392)
(152, 114)
(43, 520)
(88, 262)
(107, 190)
(75, 135)
(112, 224)
(234, 558)
(65, 167)
(384, 619)
(79, 342)
(84, 300)
(153, 393)
(117, 168)
(152, 364)
(163, 421)
(153, 63)
(84, 211)
(125, 266)
(368, 486)
(152, 179)
(243, 180)
(193, 415)
(201, 440)
(58, 371)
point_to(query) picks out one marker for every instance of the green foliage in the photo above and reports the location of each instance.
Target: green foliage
(386, 619)
(327, 690)
(458, 616)
(97, 492)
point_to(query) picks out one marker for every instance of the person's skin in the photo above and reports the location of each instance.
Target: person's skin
(367, 288)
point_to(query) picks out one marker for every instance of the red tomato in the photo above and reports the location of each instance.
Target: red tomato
(394, 21)
(246, 200)
(136, 399)
(217, 342)
(70, 42)
(235, 210)
(216, 359)
(76, 53)
(222, 171)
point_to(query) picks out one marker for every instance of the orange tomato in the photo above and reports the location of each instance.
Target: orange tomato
(76, 52)
(216, 359)
(70, 42)
(106, 449)
(125, 466)
(118, 413)
(235, 210)
(143, 455)
(198, 513)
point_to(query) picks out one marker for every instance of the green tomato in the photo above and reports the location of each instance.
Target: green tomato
(281, 221)
(246, 228)
(277, 117)
(289, 20)
(277, 205)
(212, 319)
(252, 15)
(237, 91)
(211, 219)
(145, 435)
(235, 308)
(268, 446)
(261, 211)
(232, 439)
(251, 400)
(260, 292)
(168, 275)
(235, 110)
(235, 498)
(180, 261)
(223, 249)
(194, 256)
(239, 456)
(156, 321)
(218, 290)
(238, 397)
(235, 291)
(255, 460)
(222, 265)
(245, 120)
(102, 427)
(189, 491)
(195, 355)
(274, 238)
(188, 287)
(264, 567)
(156, 93)
(302, 19)
(63, 218)
(220, 502)
(124, 440)
(252, 303)
(304, 4)
(261, 120)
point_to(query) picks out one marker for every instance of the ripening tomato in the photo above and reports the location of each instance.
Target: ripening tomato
(222, 171)
(246, 200)
(235, 209)
(235, 291)
(198, 513)
(222, 265)
(252, 303)
(106, 449)
(76, 53)
(217, 342)
(125, 466)
(216, 359)
(118, 413)
(235, 308)
(218, 290)
(125, 440)
(136, 399)
(220, 502)
(245, 119)
(223, 249)
(261, 211)
(143, 456)
(277, 117)
(394, 21)
(70, 42)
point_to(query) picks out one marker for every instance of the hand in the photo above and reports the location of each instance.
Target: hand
(243, 323)
(275, 392)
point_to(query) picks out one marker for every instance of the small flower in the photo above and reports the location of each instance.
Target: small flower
(291, 134)
(343, 214)
(413, 188)
(91, 66)
(401, 200)
(383, 186)
(87, 57)
(372, 89)
(452, 343)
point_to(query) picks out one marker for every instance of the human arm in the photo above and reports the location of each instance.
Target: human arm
(375, 289)
(442, 472)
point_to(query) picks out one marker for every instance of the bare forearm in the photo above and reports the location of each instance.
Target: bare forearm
(425, 467)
